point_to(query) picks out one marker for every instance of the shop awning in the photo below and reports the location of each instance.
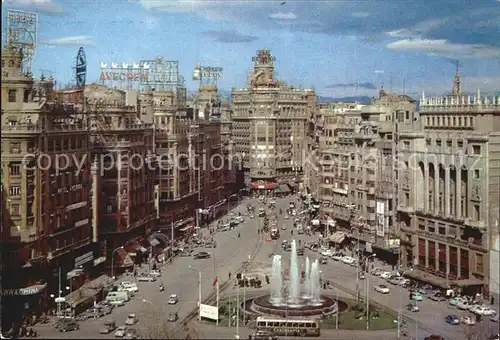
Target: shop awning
(468, 282)
(420, 275)
(264, 186)
(154, 242)
(186, 228)
(30, 290)
(125, 259)
(338, 237)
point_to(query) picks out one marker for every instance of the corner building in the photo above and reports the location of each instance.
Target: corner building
(46, 222)
(450, 192)
(270, 125)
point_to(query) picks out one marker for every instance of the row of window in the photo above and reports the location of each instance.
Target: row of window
(447, 121)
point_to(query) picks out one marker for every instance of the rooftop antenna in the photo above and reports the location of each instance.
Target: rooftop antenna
(404, 86)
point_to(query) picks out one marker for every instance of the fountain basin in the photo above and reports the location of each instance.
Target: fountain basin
(261, 305)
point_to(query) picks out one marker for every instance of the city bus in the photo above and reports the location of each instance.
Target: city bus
(289, 326)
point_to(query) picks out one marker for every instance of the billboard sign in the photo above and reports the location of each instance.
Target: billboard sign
(122, 72)
(22, 30)
(161, 74)
(207, 73)
(209, 312)
(380, 214)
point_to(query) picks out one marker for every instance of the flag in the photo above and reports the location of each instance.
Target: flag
(216, 281)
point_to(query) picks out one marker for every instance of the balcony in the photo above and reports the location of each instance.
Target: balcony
(340, 191)
(474, 224)
(408, 210)
(70, 247)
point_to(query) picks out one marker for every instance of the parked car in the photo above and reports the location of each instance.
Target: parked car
(116, 302)
(131, 320)
(494, 337)
(146, 278)
(455, 301)
(173, 299)
(129, 286)
(494, 318)
(437, 297)
(300, 251)
(386, 275)
(323, 260)
(348, 260)
(413, 307)
(108, 327)
(464, 305)
(383, 289)
(376, 271)
(201, 255)
(417, 296)
(287, 217)
(482, 310)
(452, 320)
(337, 257)
(69, 326)
(395, 280)
(468, 320)
(155, 273)
(120, 332)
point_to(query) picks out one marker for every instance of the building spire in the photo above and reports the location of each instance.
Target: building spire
(456, 83)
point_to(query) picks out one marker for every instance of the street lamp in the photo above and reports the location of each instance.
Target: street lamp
(400, 311)
(199, 292)
(245, 289)
(367, 277)
(113, 261)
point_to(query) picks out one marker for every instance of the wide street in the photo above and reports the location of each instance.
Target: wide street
(181, 278)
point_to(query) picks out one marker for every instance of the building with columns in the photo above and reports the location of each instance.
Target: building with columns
(449, 191)
(270, 125)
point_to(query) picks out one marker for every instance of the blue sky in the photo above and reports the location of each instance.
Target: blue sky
(330, 45)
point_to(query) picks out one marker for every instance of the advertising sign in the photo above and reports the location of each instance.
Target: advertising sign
(380, 213)
(161, 74)
(122, 72)
(207, 74)
(209, 312)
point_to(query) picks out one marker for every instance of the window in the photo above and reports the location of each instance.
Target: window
(12, 96)
(438, 142)
(460, 144)
(449, 143)
(479, 262)
(406, 145)
(476, 149)
(428, 142)
(15, 190)
(477, 212)
(476, 174)
(15, 169)
(15, 210)
(442, 230)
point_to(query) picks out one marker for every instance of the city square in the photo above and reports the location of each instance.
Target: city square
(155, 203)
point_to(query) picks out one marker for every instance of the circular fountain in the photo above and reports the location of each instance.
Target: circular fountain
(290, 301)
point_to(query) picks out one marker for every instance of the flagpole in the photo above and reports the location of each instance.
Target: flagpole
(217, 301)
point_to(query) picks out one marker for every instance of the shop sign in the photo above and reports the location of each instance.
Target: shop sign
(81, 260)
(31, 290)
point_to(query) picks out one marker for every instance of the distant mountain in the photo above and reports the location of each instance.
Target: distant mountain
(355, 99)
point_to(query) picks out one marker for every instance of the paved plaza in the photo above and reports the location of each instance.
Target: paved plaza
(181, 278)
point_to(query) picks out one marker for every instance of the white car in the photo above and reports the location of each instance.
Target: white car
(383, 289)
(116, 302)
(327, 252)
(385, 275)
(146, 278)
(129, 287)
(337, 257)
(482, 310)
(131, 320)
(348, 260)
(155, 273)
(286, 217)
(120, 332)
(172, 300)
(464, 305)
(467, 320)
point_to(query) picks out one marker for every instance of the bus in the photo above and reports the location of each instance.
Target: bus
(275, 233)
(289, 326)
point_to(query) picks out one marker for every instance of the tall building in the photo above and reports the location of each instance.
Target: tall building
(46, 183)
(270, 125)
(176, 141)
(450, 191)
(356, 170)
(123, 172)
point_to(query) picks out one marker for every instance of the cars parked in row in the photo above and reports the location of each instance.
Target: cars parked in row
(383, 289)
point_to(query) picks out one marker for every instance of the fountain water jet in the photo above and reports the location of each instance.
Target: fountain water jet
(307, 294)
(294, 283)
(276, 282)
(315, 284)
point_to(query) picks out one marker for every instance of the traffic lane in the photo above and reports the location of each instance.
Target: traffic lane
(431, 313)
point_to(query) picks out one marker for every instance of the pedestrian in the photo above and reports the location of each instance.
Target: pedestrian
(291, 232)
(492, 300)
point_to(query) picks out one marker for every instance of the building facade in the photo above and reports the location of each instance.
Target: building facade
(47, 186)
(270, 125)
(449, 191)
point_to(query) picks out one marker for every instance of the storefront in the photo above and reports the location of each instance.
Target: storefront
(262, 188)
(22, 303)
